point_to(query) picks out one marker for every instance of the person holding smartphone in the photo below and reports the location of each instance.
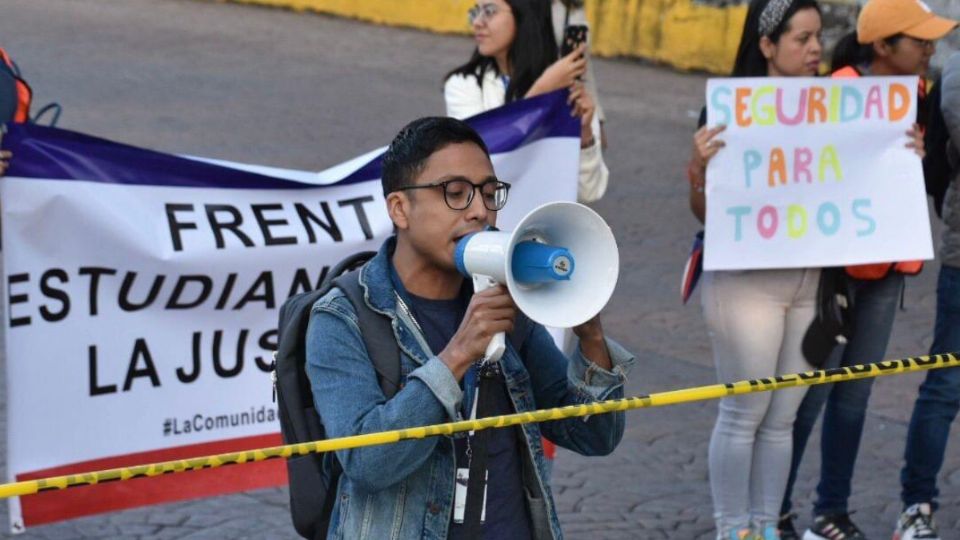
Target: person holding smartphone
(517, 57)
(570, 26)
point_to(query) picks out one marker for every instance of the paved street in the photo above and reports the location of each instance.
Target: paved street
(305, 91)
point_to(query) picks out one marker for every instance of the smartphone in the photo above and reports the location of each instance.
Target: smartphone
(573, 36)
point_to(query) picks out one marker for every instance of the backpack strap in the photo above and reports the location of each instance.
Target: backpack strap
(477, 481)
(522, 326)
(5, 58)
(377, 333)
(16, 92)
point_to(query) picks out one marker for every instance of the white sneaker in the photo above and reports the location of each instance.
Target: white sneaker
(916, 523)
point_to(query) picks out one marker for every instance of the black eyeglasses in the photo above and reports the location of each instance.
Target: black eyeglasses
(458, 193)
(924, 43)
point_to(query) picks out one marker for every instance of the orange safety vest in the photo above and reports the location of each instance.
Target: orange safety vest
(24, 93)
(880, 270)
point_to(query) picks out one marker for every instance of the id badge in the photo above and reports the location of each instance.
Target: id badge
(460, 496)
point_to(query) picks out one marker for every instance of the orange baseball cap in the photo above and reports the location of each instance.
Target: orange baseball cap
(881, 19)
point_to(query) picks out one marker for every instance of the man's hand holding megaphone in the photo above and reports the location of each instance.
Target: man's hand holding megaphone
(493, 311)
(489, 313)
(559, 266)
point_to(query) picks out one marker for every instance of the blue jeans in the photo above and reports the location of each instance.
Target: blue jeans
(938, 401)
(875, 304)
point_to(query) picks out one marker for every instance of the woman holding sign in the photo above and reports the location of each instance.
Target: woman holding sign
(756, 319)
(893, 37)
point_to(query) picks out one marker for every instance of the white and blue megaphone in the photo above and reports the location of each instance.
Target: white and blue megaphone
(560, 265)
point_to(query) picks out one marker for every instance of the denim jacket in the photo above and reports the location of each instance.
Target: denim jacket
(405, 491)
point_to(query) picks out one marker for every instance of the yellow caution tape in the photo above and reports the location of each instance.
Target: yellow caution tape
(688, 395)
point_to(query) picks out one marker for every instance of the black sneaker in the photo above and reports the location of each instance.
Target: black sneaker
(838, 527)
(786, 528)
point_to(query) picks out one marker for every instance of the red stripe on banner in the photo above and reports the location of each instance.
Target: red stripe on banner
(51, 506)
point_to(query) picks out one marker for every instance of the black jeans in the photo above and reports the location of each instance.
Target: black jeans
(875, 304)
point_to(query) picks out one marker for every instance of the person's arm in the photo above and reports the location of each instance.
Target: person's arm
(591, 82)
(350, 402)
(579, 16)
(696, 176)
(705, 146)
(463, 96)
(950, 96)
(563, 73)
(5, 156)
(596, 371)
(593, 174)
(593, 344)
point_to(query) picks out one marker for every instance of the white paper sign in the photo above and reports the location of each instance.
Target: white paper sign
(814, 173)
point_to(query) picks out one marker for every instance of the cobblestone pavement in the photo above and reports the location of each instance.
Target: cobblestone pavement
(280, 88)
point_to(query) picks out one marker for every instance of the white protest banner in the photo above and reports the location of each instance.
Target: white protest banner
(814, 173)
(141, 293)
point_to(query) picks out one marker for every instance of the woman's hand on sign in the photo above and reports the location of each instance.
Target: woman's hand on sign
(706, 145)
(5, 156)
(584, 108)
(561, 74)
(916, 141)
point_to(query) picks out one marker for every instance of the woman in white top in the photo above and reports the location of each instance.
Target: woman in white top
(516, 57)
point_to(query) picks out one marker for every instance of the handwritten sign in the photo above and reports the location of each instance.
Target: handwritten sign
(815, 172)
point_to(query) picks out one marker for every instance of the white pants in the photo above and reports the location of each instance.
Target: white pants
(756, 320)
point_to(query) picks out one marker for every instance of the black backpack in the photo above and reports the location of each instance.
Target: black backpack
(833, 322)
(16, 96)
(313, 477)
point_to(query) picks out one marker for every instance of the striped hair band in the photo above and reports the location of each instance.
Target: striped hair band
(772, 15)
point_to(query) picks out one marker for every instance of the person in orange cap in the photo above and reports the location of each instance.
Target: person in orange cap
(893, 37)
(881, 19)
(885, 23)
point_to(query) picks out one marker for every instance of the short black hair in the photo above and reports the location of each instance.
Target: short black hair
(416, 142)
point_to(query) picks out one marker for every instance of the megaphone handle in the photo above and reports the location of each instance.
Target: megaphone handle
(497, 344)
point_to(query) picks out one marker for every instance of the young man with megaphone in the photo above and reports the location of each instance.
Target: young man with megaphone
(440, 189)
